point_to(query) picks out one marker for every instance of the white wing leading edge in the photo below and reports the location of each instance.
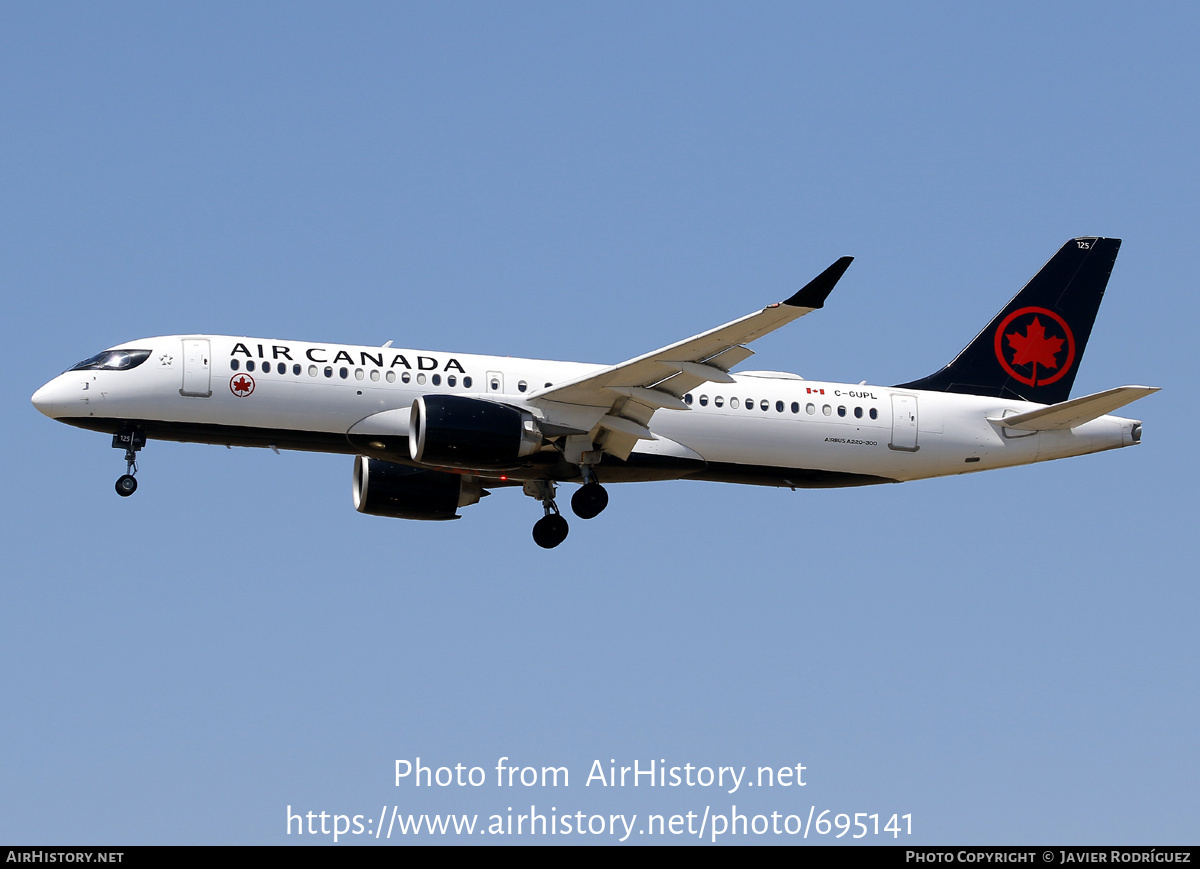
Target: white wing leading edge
(629, 393)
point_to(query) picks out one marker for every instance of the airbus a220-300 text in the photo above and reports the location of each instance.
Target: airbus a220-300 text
(434, 432)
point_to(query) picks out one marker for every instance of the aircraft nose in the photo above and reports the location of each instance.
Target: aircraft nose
(41, 399)
(50, 399)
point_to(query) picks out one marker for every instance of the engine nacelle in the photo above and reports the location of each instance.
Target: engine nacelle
(387, 489)
(458, 432)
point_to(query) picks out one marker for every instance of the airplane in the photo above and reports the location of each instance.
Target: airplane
(433, 432)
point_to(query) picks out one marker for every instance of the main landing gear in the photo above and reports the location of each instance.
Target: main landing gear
(131, 441)
(587, 502)
(552, 528)
(590, 499)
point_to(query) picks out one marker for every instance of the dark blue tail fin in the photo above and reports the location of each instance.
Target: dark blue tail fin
(1032, 349)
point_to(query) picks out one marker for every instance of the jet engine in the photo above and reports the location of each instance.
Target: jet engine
(458, 432)
(387, 489)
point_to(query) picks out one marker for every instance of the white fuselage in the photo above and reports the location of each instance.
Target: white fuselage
(765, 427)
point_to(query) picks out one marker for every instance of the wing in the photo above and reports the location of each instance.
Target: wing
(630, 393)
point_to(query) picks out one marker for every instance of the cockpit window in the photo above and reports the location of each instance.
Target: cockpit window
(113, 360)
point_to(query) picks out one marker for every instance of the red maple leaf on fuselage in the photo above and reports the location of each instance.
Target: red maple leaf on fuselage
(1034, 348)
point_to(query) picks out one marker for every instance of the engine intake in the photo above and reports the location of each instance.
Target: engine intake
(458, 432)
(387, 489)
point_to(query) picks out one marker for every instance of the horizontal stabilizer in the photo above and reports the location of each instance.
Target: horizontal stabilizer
(1077, 411)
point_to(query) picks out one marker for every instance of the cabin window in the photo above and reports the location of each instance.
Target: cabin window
(249, 364)
(858, 413)
(451, 380)
(841, 410)
(421, 379)
(704, 401)
(467, 382)
(391, 376)
(795, 407)
(874, 413)
(719, 400)
(810, 408)
(296, 369)
(233, 365)
(779, 406)
(404, 377)
(437, 380)
(329, 371)
(826, 409)
(312, 371)
(343, 373)
(687, 399)
(359, 374)
(522, 386)
(733, 402)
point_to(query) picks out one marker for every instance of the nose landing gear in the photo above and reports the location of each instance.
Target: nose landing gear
(131, 441)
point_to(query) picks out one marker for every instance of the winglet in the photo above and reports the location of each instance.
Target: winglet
(815, 292)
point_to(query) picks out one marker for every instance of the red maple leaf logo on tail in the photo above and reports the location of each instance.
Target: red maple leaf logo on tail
(1034, 348)
(1055, 353)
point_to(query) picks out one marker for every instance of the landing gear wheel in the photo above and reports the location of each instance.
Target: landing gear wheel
(130, 440)
(550, 530)
(589, 501)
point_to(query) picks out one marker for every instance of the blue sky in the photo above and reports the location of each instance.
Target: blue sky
(1009, 657)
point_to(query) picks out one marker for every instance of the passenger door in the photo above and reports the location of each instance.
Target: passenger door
(904, 423)
(197, 368)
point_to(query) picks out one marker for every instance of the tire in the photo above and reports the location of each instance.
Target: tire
(126, 485)
(549, 531)
(589, 501)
